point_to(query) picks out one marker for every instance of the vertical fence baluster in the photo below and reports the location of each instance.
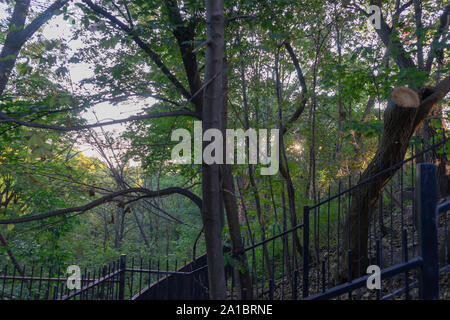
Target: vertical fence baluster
(328, 237)
(270, 289)
(149, 275)
(167, 278)
(4, 281)
(323, 275)
(102, 295)
(30, 288)
(93, 288)
(349, 271)
(359, 230)
(22, 281)
(264, 250)
(140, 276)
(295, 280)
(157, 283)
(12, 283)
(38, 296)
(273, 253)
(317, 243)
(339, 232)
(426, 193)
(132, 276)
(305, 251)
(378, 257)
(405, 259)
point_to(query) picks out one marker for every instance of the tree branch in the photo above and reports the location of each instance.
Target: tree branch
(442, 28)
(302, 80)
(399, 54)
(145, 47)
(17, 36)
(6, 118)
(427, 105)
(108, 198)
(419, 32)
(185, 38)
(43, 18)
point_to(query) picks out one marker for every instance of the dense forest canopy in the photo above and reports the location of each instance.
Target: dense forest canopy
(318, 71)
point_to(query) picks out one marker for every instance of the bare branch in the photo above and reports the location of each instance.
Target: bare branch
(442, 28)
(399, 10)
(185, 36)
(239, 17)
(302, 80)
(108, 198)
(145, 47)
(17, 36)
(43, 18)
(201, 45)
(419, 32)
(427, 105)
(6, 118)
(400, 56)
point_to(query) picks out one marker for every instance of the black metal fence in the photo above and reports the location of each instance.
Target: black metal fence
(136, 279)
(317, 266)
(406, 238)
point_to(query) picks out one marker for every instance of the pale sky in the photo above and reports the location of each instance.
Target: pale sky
(59, 28)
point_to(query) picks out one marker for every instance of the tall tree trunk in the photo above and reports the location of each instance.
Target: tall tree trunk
(231, 207)
(251, 168)
(244, 209)
(12, 45)
(341, 114)
(18, 35)
(117, 223)
(212, 105)
(284, 165)
(260, 218)
(427, 132)
(140, 227)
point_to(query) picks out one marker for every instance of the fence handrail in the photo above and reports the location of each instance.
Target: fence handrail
(99, 281)
(426, 198)
(337, 195)
(443, 207)
(274, 237)
(361, 281)
(392, 167)
(29, 278)
(158, 271)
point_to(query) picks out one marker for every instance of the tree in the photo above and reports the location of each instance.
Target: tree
(400, 122)
(207, 108)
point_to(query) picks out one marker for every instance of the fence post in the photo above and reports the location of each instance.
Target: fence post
(123, 265)
(305, 251)
(426, 216)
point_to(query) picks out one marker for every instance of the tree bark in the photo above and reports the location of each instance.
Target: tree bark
(212, 105)
(231, 207)
(284, 165)
(140, 227)
(12, 46)
(18, 35)
(251, 167)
